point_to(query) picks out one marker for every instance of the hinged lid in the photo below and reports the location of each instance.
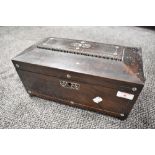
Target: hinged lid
(88, 58)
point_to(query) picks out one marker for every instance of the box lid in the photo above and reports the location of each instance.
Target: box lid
(90, 58)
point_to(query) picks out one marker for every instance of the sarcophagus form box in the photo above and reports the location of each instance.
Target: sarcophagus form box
(95, 76)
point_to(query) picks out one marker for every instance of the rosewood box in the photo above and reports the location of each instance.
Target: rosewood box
(94, 76)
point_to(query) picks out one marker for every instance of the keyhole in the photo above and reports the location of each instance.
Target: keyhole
(69, 84)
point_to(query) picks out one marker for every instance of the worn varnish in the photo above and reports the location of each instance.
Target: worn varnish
(95, 76)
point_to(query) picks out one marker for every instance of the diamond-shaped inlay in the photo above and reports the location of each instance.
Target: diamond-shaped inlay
(97, 99)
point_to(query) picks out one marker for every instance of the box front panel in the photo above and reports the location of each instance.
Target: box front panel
(86, 95)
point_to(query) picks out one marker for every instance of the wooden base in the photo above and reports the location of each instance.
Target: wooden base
(78, 105)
